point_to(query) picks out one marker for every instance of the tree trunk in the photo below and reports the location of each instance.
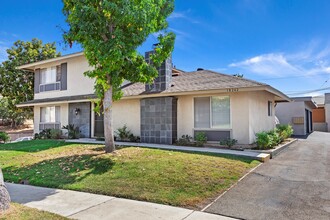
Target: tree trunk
(108, 130)
(13, 123)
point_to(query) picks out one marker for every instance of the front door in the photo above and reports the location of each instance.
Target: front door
(99, 125)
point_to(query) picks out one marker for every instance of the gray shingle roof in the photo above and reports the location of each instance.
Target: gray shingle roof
(61, 99)
(202, 80)
(196, 81)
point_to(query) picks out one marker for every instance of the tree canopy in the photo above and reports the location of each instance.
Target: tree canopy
(110, 32)
(17, 85)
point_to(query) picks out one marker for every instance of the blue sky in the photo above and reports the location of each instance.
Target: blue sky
(285, 43)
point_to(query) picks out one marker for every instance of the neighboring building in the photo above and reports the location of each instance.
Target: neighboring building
(327, 109)
(176, 104)
(319, 120)
(297, 113)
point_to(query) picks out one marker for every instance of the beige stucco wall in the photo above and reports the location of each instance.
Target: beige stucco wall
(249, 114)
(127, 112)
(258, 113)
(240, 117)
(64, 115)
(77, 82)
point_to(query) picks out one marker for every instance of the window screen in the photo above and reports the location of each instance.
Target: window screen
(202, 112)
(220, 111)
(48, 75)
(212, 112)
(50, 114)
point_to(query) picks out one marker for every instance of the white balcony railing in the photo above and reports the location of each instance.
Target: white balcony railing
(49, 125)
(50, 87)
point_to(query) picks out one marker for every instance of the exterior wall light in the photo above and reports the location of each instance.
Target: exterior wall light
(77, 111)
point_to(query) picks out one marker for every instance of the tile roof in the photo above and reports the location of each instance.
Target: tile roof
(196, 81)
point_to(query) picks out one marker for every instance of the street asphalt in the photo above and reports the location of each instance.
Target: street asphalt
(293, 185)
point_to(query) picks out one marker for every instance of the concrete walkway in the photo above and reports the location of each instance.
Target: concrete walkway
(263, 157)
(80, 205)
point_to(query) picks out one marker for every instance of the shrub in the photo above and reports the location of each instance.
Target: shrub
(274, 138)
(263, 140)
(285, 131)
(4, 137)
(133, 138)
(266, 140)
(185, 140)
(228, 142)
(44, 134)
(125, 134)
(73, 132)
(55, 134)
(200, 139)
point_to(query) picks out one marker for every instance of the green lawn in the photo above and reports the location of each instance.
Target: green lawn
(168, 177)
(19, 212)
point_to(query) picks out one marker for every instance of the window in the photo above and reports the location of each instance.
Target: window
(48, 75)
(50, 78)
(50, 114)
(58, 73)
(212, 112)
(270, 108)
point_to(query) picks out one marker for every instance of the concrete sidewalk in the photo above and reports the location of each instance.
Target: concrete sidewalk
(80, 205)
(263, 157)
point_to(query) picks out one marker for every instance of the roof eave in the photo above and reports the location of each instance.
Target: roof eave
(281, 97)
(32, 66)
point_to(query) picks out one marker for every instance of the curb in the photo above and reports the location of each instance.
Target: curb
(275, 152)
(222, 194)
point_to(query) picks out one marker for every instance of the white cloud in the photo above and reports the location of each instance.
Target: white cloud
(313, 94)
(186, 15)
(312, 59)
(273, 64)
(177, 15)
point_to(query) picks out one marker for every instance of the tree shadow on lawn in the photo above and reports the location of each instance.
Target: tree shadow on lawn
(59, 172)
(34, 145)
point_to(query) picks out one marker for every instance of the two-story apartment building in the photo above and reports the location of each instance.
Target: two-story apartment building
(176, 104)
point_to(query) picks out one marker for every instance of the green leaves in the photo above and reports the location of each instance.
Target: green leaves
(17, 85)
(110, 32)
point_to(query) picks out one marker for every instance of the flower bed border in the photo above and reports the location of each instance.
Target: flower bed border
(276, 150)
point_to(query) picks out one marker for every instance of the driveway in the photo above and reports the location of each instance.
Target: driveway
(293, 185)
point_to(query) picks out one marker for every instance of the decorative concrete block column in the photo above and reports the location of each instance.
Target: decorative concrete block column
(159, 120)
(80, 116)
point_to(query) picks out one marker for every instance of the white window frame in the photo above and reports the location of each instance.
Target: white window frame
(210, 123)
(56, 84)
(50, 124)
